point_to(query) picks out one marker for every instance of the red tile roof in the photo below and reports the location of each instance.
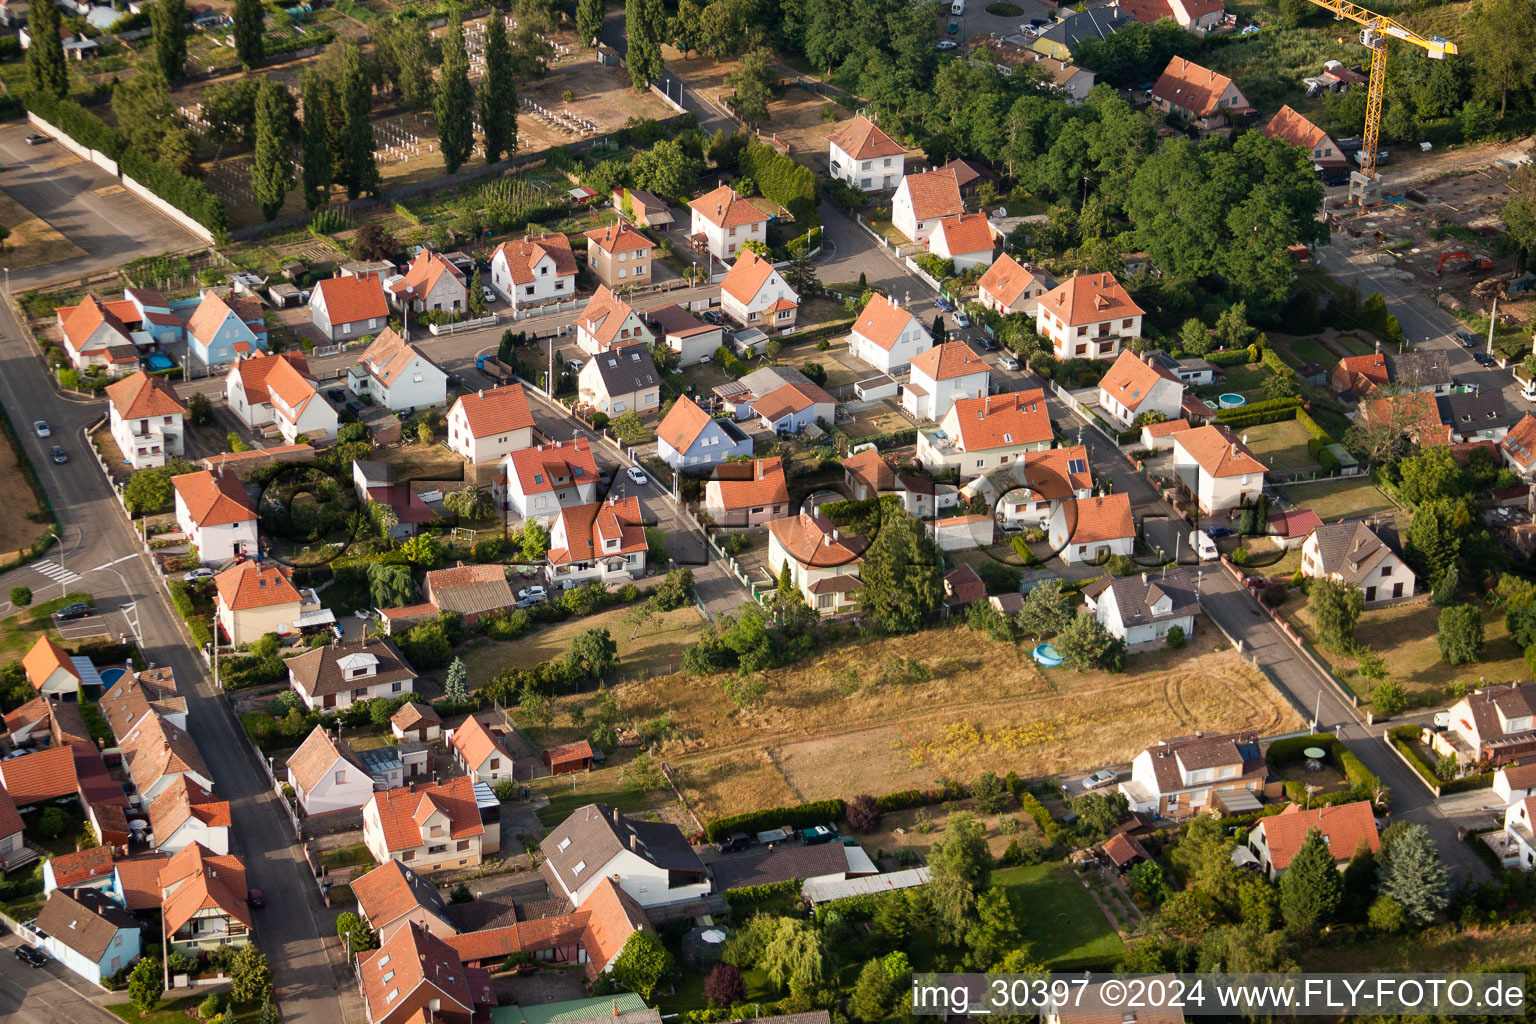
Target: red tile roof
(389, 356)
(862, 139)
(1218, 452)
(618, 238)
(933, 194)
(351, 299)
(683, 424)
(1188, 86)
(253, 372)
(29, 714)
(256, 585)
(725, 209)
(139, 395)
(1297, 522)
(1050, 474)
(814, 542)
(423, 274)
(79, 322)
(139, 878)
(965, 234)
(497, 411)
(40, 775)
(586, 527)
(182, 800)
(581, 750)
(1148, 11)
(214, 500)
(386, 893)
(782, 401)
(1089, 299)
(1007, 278)
(44, 659)
(1520, 442)
(750, 484)
(604, 315)
(1291, 126)
(1414, 412)
(747, 276)
(1166, 427)
(1100, 518)
(539, 467)
(402, 810)
(1002, 421)
(475, 742)
(963, 585)
(209, 316)
(82, 866)
(1344, 826)
(948, 361)
(882, 320)
(1131, 379)
(413, 714)
(524, 254)
(411, 971)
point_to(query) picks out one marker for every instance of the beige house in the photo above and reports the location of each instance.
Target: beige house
(255, 599)
(822, 560)
(619, 256)
(1088, 317)
(722, 221)
(427, 827)
(202, 900)
(1010, 287)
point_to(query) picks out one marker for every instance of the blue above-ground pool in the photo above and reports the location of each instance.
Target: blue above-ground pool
(109, 678)
(1046, 655)
(1230, 401)
(159, 361)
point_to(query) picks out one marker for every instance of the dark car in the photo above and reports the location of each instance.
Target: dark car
(942, 303)
(1219, 531)
(336, 394)
(78, 610)
(714, 318)
(31, 956)
(1465, 337)
(60, 456)
(255, 899)
(355, 408)
(987, 344)
(1483, 358)
(735, 841)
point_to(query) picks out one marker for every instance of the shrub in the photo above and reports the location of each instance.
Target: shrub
(1176, 637)
(1275, 594)
(1240, 556)
(21, 596)
(210, 1007)
(817, 812)
(863, 814)
(1389, 698)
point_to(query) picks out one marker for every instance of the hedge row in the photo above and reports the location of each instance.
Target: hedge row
(1241, 419)
(182, 599)
(1234, 357)
(1283, 752)
(908, 798)
(895, 439)
(751, 895)
(835, 329)
(1036, 810)
(1403, 737)
(1269, 405)
(1271, 359)
(778, 177)
(806, 815)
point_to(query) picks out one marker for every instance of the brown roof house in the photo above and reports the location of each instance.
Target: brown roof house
(87, 932)
(327, 776)
(652, 862)
(336, 674)
(747, 493)
(392, 896)
(922, 200)
(486, 426)
(621, 380)
(1366, 559)
(1197, 94)
(1093, 528)
(823, 561)
(469, 590)
(619, 256)
(202, 900)
(1496, 724)
(1182, 776)
(415, 721)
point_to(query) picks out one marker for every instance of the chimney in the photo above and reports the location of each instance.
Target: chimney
(616, 818)
(1144, 579)
(482, 392)
(634, 842)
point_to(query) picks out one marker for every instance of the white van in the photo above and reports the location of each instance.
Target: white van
(957, 8)
(1204, 548)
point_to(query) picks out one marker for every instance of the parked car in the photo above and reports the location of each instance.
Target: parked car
(336, 394)
(636, 474)
(532, 595)
(199, 574)
(1466, 339)
(817, 834)
(948, 44)
(710, 316)
(31, 955)
(486, 294)
(1483, 359)
(988, 345)
(942, 303)
(42, 428)
(961, 320)
(734, 842)
(35, 139)
(954, 28)
(1100, 779)
(78, 610)
(1219, 531)
(355, 408)
(1009, 363)
(60, 456)
(574, 364)
(1204, 548)
(255, 899)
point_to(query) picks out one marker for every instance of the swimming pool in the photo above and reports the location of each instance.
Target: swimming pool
(109, 677)
(1047, 655)
(1230, 400)
(159, 361)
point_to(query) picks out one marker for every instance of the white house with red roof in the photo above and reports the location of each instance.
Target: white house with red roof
(619, 255)
(95, 334)
(1197, 94)
(1291, 126)
(922, 200)
(398, 375)
(482, 751)
(1196, 16)
(1518, 447)
(221, 330)
(216, 515)
(348, 307)
(486, 426)
(721, 221)
(754, 294)
(965, 240)
(327, 776)
(603, 541)
(277, 391)
(747, 493)
(823, 561)
(941, 375)
(1028, 493)
(426, 827)
(865, 157)
(979, 435)
(430, 283)
(691, 440)
(1217, 468)
(1135, 386)
(145, 418)
(1090, 529)
(537, 482)
(1010, 287)
(1520, 834)
(534, 270)
(1088, 317)
(1346, 829)
(887, 335)
(607, 321)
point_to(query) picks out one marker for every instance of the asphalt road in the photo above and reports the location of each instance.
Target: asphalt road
(49, 993)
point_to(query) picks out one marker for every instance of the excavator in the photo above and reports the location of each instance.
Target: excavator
(1474, 263)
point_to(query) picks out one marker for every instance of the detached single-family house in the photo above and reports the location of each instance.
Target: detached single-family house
(470, 591)
(95, 335)
(1216, 469)
(426, 827)
(431, 282)
(823, 561)
(1088, 317)
(979, 435)
(1366, 559)
(942, 375)
(186, 812)
(1291, 126)
(156, 753)
(782, 398)
(619, 255)
(537, 482)
(391, 896)
(1518, 448)
(1180, 777)
(268, 390)
(334, 675)
(415, 722)
(344, 308)
(481, 751)
(1028, 493)
(1424, 370)
(1061, 38)
(608, 322)
(692, 339)
(202, 900)
(398, 375)
(88, 932)
(721, 221)
(415, 978)
(1496, 724)
(1354, 376)
(531, 271)
(965, 240)
(1135, 386)
(1196, 16)
(651, 861)
(863, 156)
(1189, 91)
(145, 417)
(489, 425)
(14, 851)
(754, 294)
(922, 200)
(1090, 529)
(1010, 287)
(1474, 415)
(747, 493)
(618, 380)
(222, 330)
(256, 598)
(1520, 833)
(603, 541)
(216, 514)
(327, 776)
(887, 335)
(51, 670)
(689, 439)
(1142, 609)
(1345, 828)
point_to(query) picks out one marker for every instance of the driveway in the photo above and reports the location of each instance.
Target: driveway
(49, 993)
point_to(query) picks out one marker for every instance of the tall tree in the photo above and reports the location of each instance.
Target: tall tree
(1434, 537)
(407, 55)
(589, 20)
(1336, 607)
(1311, 888)
(498, 94)
(1411, 872)
(249, 23)
(271, 168)
(455, 100)
(315, 140)
(356, 165)
(960, 868)
(1499, 32)
(902, 581)
(46, 70)
(644, 23)
(168, 19)
(753, 80)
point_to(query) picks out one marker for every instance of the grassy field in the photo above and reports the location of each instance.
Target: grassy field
(658, 648)
(20, 631)
(1310, 350)
(845, 723)
(24, 521)
(568, 792)
(179, 1011)
(1444, 948)
(1281, 445)
(1349, 498)
(1060, 921)
(1241, 379)
(1405, 636)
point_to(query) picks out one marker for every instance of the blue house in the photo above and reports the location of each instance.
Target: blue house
(88, 933)
(689, 439)
(221, 331)
(156, 317)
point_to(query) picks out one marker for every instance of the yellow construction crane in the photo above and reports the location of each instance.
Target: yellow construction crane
(1377, 30)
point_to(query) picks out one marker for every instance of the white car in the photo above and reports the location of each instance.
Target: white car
(42, 428)
(1008, 363)
(531, 595)
(637, 474)
(197, 575)
(961, 320)
(1100, 779)
(487, 294)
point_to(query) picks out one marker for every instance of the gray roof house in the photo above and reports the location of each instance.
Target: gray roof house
(1475, 415)
(619, 380)
(1142, 609)
(1422, 371)
(651, 861)
(1095, 23)
(1368, 559)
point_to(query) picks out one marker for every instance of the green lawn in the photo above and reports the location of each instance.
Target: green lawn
(656, 649)
(1281, 445)
(568, 792)
(346, 856)
(1236, 378)
(176, 1011)
(1357, 346)
(1310, 350)
(20, 631)
(1350, 498)
(1061, 923)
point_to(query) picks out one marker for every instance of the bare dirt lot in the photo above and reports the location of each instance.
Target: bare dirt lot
(842, 724)
(33, 242)
(22, 522)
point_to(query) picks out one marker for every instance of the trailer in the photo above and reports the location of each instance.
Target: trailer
(495, 369)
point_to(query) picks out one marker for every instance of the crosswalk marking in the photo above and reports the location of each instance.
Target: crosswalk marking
(56, 572)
